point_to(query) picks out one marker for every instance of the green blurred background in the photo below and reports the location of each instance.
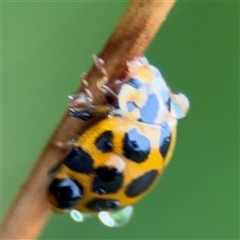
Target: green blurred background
(45, 48)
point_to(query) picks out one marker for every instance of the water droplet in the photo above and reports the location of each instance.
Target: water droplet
(106, 219)
(179, 105)
(76, 216)
(116, 218)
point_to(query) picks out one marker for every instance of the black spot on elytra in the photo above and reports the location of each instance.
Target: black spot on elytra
(107, 180)
(103, 204)
(165, 139)
(141, 184)
(104, 142)
(79, 161)
(136, 147)
(64, 193)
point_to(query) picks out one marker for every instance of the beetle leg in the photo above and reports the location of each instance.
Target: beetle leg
(102, 82)
(81, 106)
(65, 145)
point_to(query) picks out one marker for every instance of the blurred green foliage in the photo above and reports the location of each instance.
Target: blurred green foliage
(46, 45)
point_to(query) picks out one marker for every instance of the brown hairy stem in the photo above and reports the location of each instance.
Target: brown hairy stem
(30, 210)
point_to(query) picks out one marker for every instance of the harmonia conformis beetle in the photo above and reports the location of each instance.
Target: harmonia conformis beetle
(115, 162)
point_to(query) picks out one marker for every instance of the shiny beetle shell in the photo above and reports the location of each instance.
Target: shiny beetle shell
(135, 153)
(115, 162)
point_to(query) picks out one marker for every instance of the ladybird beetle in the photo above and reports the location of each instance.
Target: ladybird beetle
(115, 162)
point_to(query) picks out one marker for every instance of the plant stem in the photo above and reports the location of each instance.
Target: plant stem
(30, 210)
